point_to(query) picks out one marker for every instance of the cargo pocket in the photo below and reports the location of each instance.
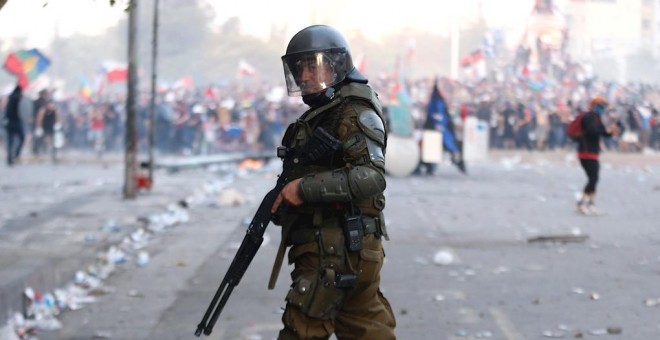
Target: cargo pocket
(316, 295)
(371, 261)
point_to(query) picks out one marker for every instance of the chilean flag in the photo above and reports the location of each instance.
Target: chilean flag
(474, 65)
(115, 72)
(245, 69)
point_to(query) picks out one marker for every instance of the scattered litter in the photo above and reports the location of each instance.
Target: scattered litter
(41, 309)
(135, 293)
(500, 270)
(614, 330)
(102, 335)
(90, 238)
(483, 335)
(594, 296)
(598, 331)
(652, 302)
(230, 198)
(181, 263)
(111, 227)
(461, 333)
(439, 297)
(553, 334)
(559, 238)
(444, 257)
(143, 259)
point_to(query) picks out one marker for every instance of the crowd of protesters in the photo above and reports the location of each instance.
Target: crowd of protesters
(525, 109)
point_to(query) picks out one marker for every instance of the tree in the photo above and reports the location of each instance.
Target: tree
(4, 2)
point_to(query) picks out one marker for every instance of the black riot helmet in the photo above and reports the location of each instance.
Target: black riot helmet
(318, 57)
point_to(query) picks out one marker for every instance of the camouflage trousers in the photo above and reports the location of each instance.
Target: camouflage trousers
(316, 308)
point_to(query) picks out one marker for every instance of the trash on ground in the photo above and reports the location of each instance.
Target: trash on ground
(614, 330)
(230, 198)
(553, 334)
(652, 302)
(444, 257)
(598, 331)
(559, 238)
(143, 259)
(135, 293)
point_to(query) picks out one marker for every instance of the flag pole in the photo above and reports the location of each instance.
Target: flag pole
(455, 36)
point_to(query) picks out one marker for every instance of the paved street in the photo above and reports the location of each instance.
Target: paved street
(460, 264)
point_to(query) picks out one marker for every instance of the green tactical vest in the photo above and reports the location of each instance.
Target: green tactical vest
(299, 133)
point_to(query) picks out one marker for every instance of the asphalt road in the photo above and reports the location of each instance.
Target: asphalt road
(460, 263)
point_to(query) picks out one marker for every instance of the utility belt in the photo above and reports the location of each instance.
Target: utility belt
(366, 224)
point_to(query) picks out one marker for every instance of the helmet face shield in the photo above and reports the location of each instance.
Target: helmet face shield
(314, 71)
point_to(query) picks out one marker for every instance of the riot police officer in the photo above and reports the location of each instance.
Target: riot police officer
(331, 210)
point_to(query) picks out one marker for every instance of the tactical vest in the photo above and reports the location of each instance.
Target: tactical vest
(299, 135)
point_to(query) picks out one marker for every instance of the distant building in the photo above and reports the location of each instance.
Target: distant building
(602, 30)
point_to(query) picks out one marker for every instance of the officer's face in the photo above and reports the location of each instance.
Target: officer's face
(315, 75)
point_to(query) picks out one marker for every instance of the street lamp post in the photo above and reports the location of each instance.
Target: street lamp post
(130, 155)
(152, 113)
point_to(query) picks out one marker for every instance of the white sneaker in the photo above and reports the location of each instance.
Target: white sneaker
(593, 211)
(583, 209)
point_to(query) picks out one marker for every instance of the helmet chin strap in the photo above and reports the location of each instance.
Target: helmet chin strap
(319, 98)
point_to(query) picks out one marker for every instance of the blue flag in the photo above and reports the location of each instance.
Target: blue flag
(438, 114)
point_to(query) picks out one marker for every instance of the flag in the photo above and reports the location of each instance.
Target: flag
(27, 65)
(115, 72)
(85, 90)
(186, 83)
(245, 69)
(359, 63)
(211, 93)
(474, 65)
(410, 50)
(438, 112)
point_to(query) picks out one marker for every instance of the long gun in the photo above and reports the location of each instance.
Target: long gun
(255, 231)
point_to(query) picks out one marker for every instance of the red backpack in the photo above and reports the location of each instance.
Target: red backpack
(574, 128)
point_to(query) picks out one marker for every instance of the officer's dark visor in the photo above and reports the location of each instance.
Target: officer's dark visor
(313, 72)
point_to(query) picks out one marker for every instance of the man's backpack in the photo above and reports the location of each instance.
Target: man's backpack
(574, 129)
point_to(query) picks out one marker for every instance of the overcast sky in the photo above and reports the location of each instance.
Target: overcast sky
(31, 19)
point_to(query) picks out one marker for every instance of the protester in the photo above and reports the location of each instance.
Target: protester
(48, 120)
(438, 118)
(331, 208)
(37, 138)
(588, 150)
(14, 126)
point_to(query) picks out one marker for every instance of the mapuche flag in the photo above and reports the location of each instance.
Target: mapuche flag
(27, 65)
(438, 115)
